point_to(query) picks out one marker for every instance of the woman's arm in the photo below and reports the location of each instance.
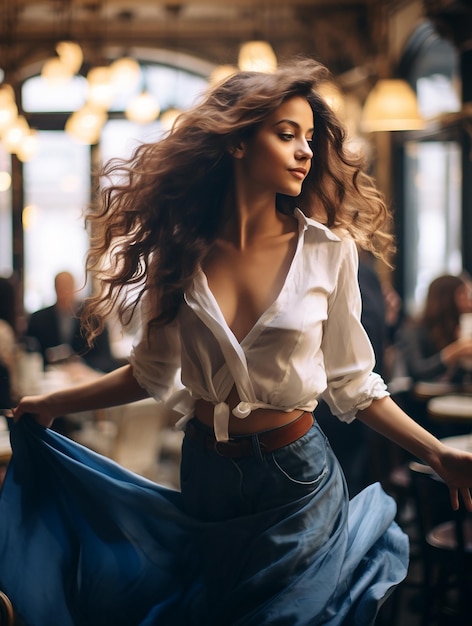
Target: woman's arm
(117, 387)
(453, 466)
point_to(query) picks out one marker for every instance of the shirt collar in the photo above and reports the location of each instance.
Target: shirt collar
(308, 222)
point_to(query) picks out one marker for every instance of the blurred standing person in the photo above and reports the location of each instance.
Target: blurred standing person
(352, 442)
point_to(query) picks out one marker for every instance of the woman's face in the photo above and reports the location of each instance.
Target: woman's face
(277, 158)
(463, 297)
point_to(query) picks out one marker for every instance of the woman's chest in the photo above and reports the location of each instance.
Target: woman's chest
(245, 284)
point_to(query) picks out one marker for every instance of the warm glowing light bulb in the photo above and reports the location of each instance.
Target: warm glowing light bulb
(29, 146)
(85, 125)
(71, 55)
(143, 109)
(169, 118)
(257, 56)
(5, 181)
(100, 88)
(55, 72)
(125, 73)
(14, 135)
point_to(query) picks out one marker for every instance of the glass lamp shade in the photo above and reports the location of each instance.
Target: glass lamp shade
(391, 105)
(85, 125)
(71, 55)
(125, 73)
(14, 134)
(29, 146)
(169, 118)
(257, 56)
(5, 181)
(333, 97)
(55, 72)
(100, 88)
(221, 73)
(8, 108)
(7, 93)
(143, 108)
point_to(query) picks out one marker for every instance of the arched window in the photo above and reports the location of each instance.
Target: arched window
(57, 182)
(431, 209)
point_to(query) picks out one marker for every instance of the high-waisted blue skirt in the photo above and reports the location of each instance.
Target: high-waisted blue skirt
(258, 541)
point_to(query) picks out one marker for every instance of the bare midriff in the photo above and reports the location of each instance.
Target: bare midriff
(258, 421)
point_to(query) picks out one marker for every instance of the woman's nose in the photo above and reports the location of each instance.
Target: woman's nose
(305, 151)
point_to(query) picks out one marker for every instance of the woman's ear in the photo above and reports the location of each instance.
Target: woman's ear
(237, 151)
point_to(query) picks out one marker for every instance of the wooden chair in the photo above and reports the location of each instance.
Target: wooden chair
(7, 617)
(445, 537)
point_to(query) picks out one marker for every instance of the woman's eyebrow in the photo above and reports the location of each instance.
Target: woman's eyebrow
(294, 124)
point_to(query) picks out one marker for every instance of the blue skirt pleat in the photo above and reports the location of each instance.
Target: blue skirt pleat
(84, 542)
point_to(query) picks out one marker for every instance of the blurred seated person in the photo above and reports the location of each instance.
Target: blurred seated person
(431, 349)
(57, 330)
(8, 344)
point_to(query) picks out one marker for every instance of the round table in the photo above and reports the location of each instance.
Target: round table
(460, 442)
(425, 390)
(455, 408)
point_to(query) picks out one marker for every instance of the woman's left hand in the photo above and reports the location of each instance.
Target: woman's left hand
(452, 465)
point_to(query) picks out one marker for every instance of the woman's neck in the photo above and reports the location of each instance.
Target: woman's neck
(250, 221)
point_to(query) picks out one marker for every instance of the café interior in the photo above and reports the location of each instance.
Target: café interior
(83, 81)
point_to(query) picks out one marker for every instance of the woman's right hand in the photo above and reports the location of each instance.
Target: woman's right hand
(457, 350)
(38, 407)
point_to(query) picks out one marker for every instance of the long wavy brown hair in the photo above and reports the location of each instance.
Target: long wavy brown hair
(441, 312)
(161, 210)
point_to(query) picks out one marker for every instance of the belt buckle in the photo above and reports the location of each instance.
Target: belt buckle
(219, 447)
(230, 448)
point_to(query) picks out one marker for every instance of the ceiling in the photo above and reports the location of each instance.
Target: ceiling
(340, 33)
(349, 36)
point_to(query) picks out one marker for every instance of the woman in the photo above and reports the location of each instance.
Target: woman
(431, 348)
(236, 237)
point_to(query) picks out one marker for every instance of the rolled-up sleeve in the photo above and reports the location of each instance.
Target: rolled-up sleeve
(156, 358)
(348, 354)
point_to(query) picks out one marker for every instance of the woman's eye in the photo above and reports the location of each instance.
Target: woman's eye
(286, 136)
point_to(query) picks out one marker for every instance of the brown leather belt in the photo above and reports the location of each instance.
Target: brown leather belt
(247, 445)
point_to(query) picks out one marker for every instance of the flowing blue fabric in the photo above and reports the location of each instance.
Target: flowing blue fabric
(84, 542)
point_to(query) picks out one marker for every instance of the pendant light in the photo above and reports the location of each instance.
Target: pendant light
(257, 56)
(169, 118)
(391, 106)
(100, 87)
(85, 125)
(29, 146)
(221, 73)
(14, 134)
(71, 55)
(8, 107)
(55, 72)
(125, 73)
(334, 97)
(143, 108)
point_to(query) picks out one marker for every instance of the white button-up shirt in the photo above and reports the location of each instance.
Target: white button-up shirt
(309, 344)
